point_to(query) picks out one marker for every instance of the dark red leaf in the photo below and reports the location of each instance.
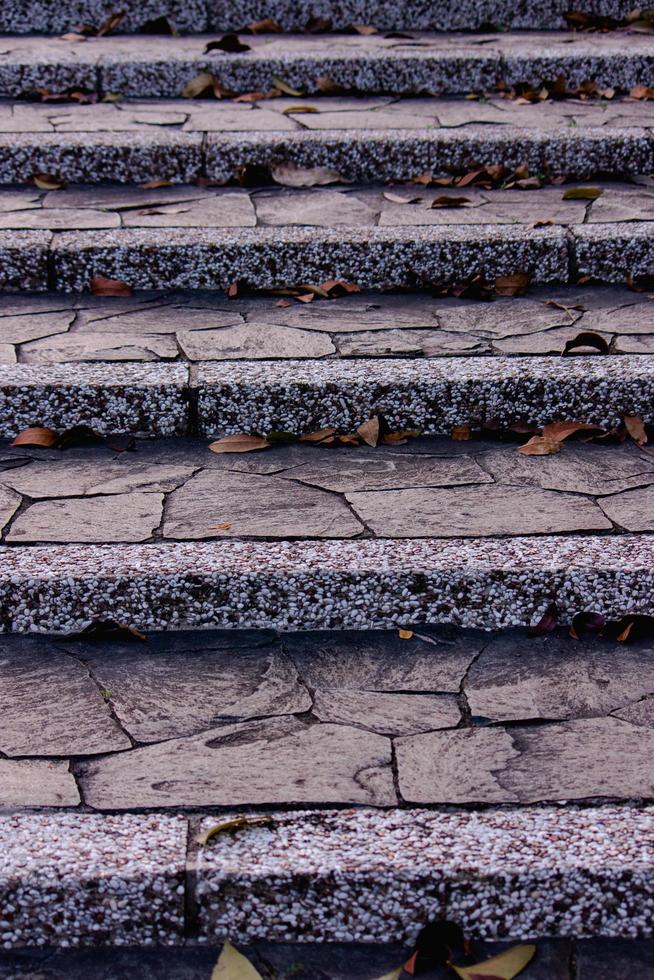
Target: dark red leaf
(547, 622)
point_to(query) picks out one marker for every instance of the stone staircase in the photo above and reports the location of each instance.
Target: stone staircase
(403, 222)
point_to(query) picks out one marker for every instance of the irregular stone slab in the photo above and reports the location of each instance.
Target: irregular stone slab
(592, 758)
(578, 469)
(253, 341)
(24, 327)
(79, 477)
(547, 342)
(504, 317)
(27, 782)
(517, 678)
(319, 208)
(276, 761)
(231, 210)
(632, 509)
(9, 504)
(50, 706)
(434, 659)
(118, 517)
(58, 219)
(7, 354)
(403, 343)
(99, 347)
(254, 506)
(167, 694)
(344, 471)
(153, 319)
(473, 511)
(387, 714)
(641, 713)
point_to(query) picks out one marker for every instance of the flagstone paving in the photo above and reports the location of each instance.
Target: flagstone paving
(222, 719)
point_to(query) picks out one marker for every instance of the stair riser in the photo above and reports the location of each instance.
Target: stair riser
(21, 16)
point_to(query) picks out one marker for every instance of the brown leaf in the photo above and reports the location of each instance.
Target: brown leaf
(108, 629)
(579, 307)
(72, 36)
(48, 182)
(101, 286)
(462, 433)
(339, 287)
(294, 109)
(636, 429)
(632, 627)
(234, 823)
(151, 185)
(587, 622)
(229, 43)
(558, 431)
(371, 431)
(586, 339)
(284, 87)
(317, 25)
(290, 175)
(582, 194)
(241, 443)
(232, 290)
(205, 84)
(641, 92)
(514, 285)
(219, 527)
(546, 623)
(349, 440)
(540, 446)
(110, 24)
(405, 634)
(265, 26)
(399, 199)
(364, 29)
(445, 201)
(400, 438)
(319, 436)
(36, 436)
(327, 85)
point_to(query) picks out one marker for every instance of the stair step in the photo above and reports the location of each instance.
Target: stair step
(329, 876)
(363, 139)
(25, 16)
(149, 66)
(482, 583)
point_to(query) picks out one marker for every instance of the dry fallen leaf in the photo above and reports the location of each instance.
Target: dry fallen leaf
(284, 87)
(319, 436)
(295, 109)
(290, 175)
(586, 622)
(641, 92)
(219, 527)
(445, 201)
(582, 193)
(504, 966)
(232, 965)
(108, 629)
(393, 975)
(364, 29)
(265, 26)
(101, 286)
(205, 84)
(72, 36)
(234, 824)
(546, 623)
(240, 443)
(405, 634)
(327, 85)
(151, 185)
(371, 430)
(36, 436)
(399, 199)
(48, 182)
(586, 339)
(514, 285)
(229, 43)
(540, 446)
(462, 433)
(636, 429)
(558, 431)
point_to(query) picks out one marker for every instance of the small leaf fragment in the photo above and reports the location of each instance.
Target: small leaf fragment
(108, 629)
(290, 175)
(48, 182)
(540, 446)
(371, 431)
(405, 634)
(636, 429)
(219, 527)
(446, 201)
(586, 622)
(101, 286)
(393, 975)
(513, 285)
(295, 109)
(319, 436)
(36, 436)
(232, 965)
(558, 431)
(582, 193)
(151, 185)
(400, 199)
(504, 966)
(587, 338)
(226, 826)
(229, 43)
(546, 623)
(284, 87)
(241, 443)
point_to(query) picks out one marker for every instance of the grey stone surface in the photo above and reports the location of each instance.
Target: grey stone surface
(159, 695)
(115, 517)
(478, 511)
(345, 472)
(36, 783)
(67, 348)
(518, 678)
(387, 714)
(591, 758)
(253, 342)
(259, 762)
(631, 510)
(640, 713)
(589, 469)
(9, 503)
(100, 476)
(254, 506)
(51, 706)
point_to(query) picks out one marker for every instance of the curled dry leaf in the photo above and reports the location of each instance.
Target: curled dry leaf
(587, 623)
(630, 628)
(48, 182)
(514, 285)
(405, 634)
(108, 629)
(101, 286)
(636, 429)
(641, 92)
(446, 201)
(151, 185)
(586, 339)
(290, 175)
(504, 966)
(319, 436)
(229, 43)
(284, 87)
(363, 29)
(225, 526)
(227, 826)
(371, 431)
(582, 193)
(241, 443)
(540, 446)
(399, 199)
(295, 109)
(327, 85)
(265, 26)
(36, 436)
(205, 84)
(462, 433)
(232, 965)
(558, 431)
(546, 623)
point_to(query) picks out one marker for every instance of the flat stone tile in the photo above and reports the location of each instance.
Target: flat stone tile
(591, 758)
(118, 517)
(99, 476)
(631, 510)
(258, 762)
(53, 219)
(343, 471)
(387, 714)
(7, 354)
(22, 328)
(167, 694)
(435, 659)
(157, 319)
(589, 469)
(9, 504)
(230, 210)
(640, 713)
(408, 343)
(36, 783)
(51, 706)
(634, 345)
(473, 511)
(254, 506)
(70, 348)
(253, 341)
(504, 317)
(518, 678)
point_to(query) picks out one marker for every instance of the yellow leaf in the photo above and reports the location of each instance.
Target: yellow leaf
(582, 193)
(504, 966)
(299, 108)
(405, 634)
(393, 975)
(232, 965)
(235, 824)
(284, 87)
